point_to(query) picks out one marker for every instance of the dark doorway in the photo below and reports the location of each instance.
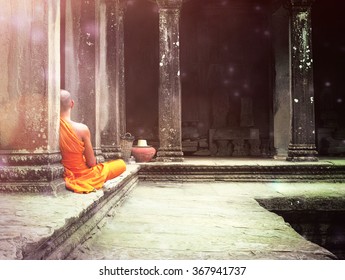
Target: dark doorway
(226, 78)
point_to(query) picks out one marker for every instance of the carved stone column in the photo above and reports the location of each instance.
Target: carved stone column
(170, 137)
(29, 96)
(113, 99)
(302, 146)
(81, 62)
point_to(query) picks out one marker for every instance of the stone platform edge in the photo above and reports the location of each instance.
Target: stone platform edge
(65, 239)
(325, 172)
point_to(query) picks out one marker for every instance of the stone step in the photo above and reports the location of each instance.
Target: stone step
(243, 170)
(50, 227)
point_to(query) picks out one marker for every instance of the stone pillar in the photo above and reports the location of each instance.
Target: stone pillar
(302, 146)
(82, 75)
(281, 98)
(29, 96)
(170, 137)
(120, 63)
(113, 85)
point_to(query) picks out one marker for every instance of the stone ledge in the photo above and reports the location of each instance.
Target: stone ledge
(34, 226)
(66, 239)
(325, 172)
(303, 203)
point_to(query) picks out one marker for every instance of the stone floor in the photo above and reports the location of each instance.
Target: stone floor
(29, 222)
(200, 220)
(218, 220)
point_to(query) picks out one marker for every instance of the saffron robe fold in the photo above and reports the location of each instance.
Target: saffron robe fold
(78, 176)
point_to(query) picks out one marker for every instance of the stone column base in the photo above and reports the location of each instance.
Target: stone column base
(111, 152)
(302, 152)
(31, 173)
(32, 179)
(169, 156)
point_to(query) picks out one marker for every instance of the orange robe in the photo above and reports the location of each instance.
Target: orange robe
(78, 176)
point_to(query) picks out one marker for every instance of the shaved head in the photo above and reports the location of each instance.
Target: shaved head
(65, 100)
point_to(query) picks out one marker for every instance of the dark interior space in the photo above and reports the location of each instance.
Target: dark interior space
(226, 75)
(328, 25)
(225, 59)
(141, 68)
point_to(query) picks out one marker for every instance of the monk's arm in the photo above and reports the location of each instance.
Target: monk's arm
(88, 152)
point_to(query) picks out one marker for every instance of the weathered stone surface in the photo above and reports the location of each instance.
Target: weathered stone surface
(170, 130)
(189, 146)
(29, 96)
(199, 221)
(281, 91)
(234, 141)
(202, 152)
(244, 170)
(32, 230)
(25, 158)
(169, 4)
(203, 143)
(112, 85)
(83, 73)
(302, 146)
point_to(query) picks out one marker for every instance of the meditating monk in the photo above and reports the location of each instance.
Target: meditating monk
(82, 173)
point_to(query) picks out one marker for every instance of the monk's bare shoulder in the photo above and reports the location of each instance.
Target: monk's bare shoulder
(81, 130)
(80, 126)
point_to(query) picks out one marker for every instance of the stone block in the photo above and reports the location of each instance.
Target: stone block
(203, 143)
